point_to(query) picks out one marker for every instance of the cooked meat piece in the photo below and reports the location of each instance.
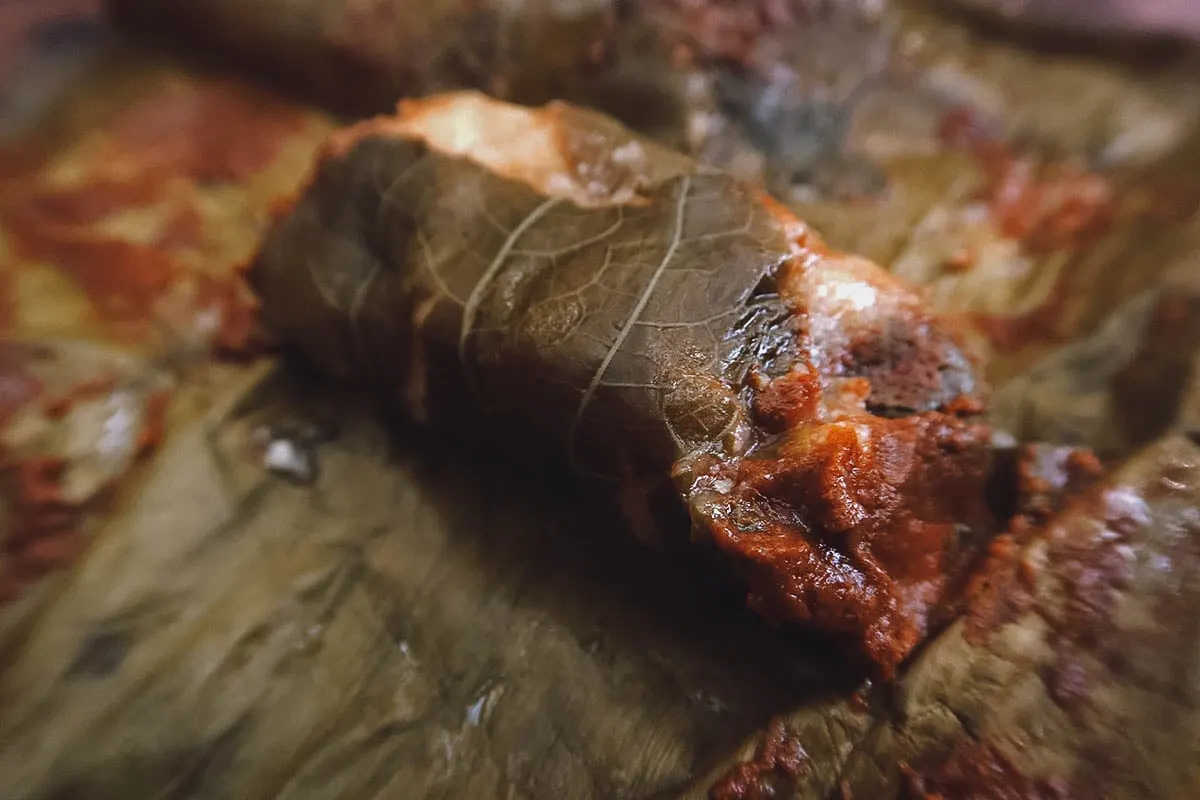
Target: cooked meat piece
(1072, 674)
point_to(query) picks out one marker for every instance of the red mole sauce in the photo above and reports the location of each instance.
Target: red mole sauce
(1049, 479)
(152, 157)
(1061, 209)
(44, 523)
(778, 761)
(1047, 208)
(976, 771)
(43, 529)
(1086, 565)
(845, 519)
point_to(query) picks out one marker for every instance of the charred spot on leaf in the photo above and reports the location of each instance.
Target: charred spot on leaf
(767, 287)
(1002, 491)
(779, 761)
(890, 411)
(766, 335)
(101, 653)
(209, 762)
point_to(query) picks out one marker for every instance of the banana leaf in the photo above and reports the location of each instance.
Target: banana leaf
(280, 595)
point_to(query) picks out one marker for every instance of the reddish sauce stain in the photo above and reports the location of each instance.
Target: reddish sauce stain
(43, 531)
(238, 332)
(92, 202)
(976, 771)
(123, 278)
(1048, 480)
(42, 522)
(183, 231)
(1057, 210)
(151, 434)
(1048, 477)
(853, 527)
(59, 407)
(1091, 573)
(788, 400)
(1040, 324)
(1087, 569)
(961, 260)
(777, 763)
(1047, 208)
(215, 132)
(1063, 211)
(852, 521)
(966, 406)
(998, 593)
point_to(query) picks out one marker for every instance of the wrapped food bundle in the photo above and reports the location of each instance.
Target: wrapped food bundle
(545, 272)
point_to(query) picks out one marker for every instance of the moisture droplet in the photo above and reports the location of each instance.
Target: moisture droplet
(481, 706)
(311, 641)
(289, 459)
(475, 711)
(288, 451)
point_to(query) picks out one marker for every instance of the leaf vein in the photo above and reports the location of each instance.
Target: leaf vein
(635, 314)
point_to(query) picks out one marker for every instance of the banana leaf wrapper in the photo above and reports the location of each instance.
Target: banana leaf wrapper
(412, 625)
